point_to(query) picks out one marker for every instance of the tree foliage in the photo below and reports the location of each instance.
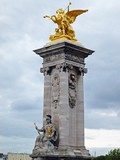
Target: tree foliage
(113, 155)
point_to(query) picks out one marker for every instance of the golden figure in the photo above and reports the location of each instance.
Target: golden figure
(64, 20)
(49, 131)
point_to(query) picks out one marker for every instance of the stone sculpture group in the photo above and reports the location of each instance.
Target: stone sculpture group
(47, 141)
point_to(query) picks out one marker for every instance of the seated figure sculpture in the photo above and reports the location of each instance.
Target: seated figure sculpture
(45, 142)
(64, 21)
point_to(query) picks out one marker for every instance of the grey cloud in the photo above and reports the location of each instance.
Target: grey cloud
(17, 144)
(101, 118)
(99, 151)
(23, 29)
(20, 122)
(26, 104)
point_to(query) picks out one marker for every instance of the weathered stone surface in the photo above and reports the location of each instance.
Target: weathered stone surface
(64, 68)
(62, 157)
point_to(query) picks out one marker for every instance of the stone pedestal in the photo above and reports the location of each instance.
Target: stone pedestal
(63, 69)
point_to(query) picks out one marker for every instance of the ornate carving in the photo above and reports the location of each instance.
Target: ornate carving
(64, 66)
(56, 57)
(74, 58)
(82, 70)
(45, 142)
(46, 70)
(72, 90)
(52, 58)
(55, 90)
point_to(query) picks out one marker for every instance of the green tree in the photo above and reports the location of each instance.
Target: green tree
(113, 155)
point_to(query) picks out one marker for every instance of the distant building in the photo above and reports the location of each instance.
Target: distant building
(5, 157)
(18, 156)
(1, 156)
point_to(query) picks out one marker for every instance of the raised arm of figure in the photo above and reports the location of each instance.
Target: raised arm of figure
(38, 130)
(53, 18)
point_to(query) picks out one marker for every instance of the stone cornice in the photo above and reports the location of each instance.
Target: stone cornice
(63, 47)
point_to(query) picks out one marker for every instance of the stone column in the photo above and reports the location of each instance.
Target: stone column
(63, 68)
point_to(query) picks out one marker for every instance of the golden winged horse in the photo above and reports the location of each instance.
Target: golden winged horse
(64, 20)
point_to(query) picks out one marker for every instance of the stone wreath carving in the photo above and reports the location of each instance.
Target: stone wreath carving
(72, 90)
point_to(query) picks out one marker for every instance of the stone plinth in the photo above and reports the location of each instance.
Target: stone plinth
(63, 69)
(62, 157)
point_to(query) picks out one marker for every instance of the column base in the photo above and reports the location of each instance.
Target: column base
(81, 154)
(61, 157)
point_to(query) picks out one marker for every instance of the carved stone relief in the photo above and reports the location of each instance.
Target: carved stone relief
(64, 67)
(74, 58)
(54, 57)
(45, 70)
(72, 90)
(55, 90)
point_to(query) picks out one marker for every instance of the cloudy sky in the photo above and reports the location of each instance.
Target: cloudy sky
(23, 29)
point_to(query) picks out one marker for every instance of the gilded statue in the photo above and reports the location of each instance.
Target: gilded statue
(64, 20)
